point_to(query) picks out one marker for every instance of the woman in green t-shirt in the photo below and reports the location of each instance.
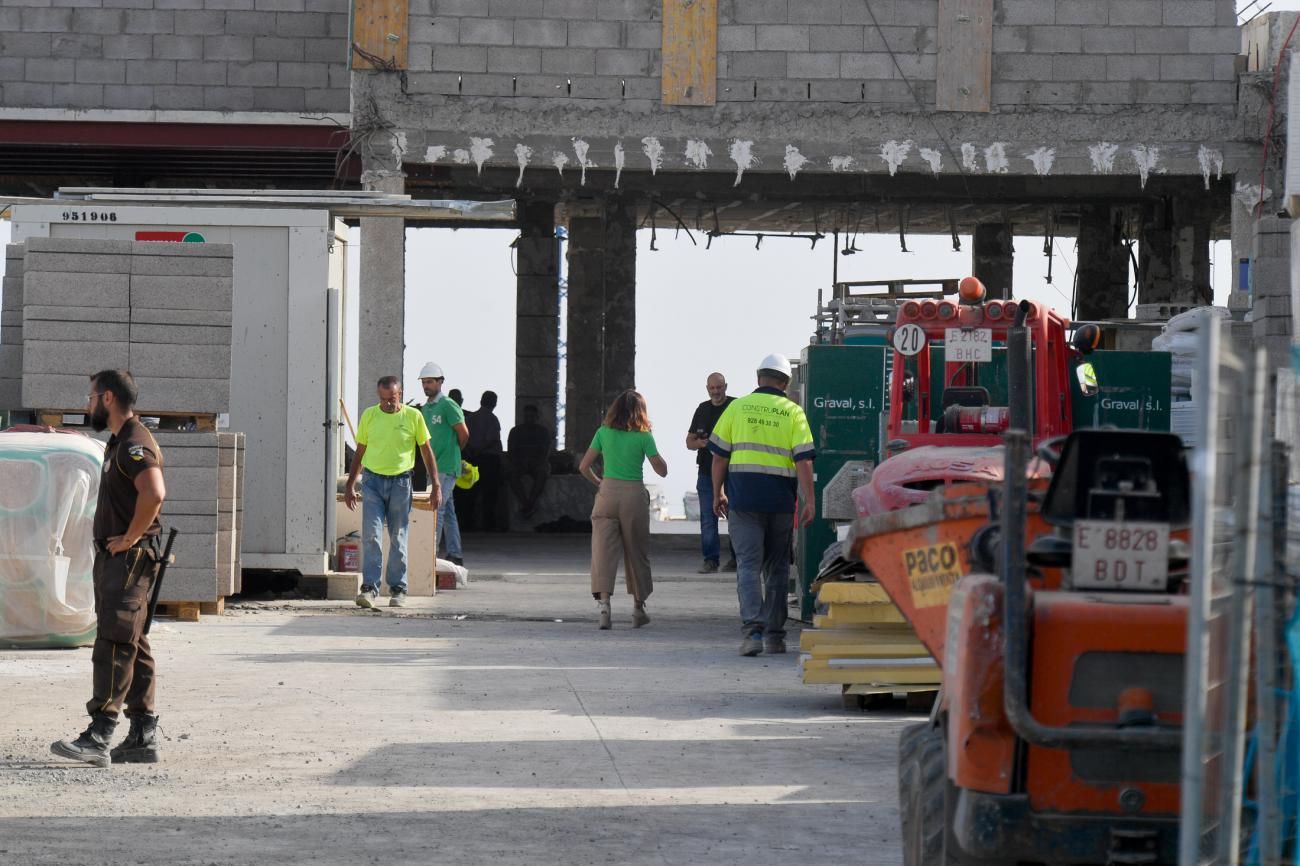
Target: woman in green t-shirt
(620, 520)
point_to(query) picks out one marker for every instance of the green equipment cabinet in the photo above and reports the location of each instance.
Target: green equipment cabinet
(1134, 391)
(843, 390)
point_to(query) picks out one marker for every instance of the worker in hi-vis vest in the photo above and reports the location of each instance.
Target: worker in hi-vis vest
(762, 468)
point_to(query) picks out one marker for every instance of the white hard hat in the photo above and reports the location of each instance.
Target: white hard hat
(431, 371)
(779, 363)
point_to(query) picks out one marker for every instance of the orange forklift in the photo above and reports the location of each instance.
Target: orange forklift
(1056, 738)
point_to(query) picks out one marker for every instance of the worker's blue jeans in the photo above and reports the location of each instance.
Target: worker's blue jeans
(448, 526)
(385, 499)
(762, 544)
(710, 544)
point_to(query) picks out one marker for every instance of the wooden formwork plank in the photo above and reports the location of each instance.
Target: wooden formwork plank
(964, 79)
(690, 52)
(379, 29)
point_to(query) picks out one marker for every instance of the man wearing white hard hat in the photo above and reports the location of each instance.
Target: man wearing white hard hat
(762, 473)
(447, 435)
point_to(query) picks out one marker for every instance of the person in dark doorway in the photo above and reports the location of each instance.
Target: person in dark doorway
(387, 437)
(127, 556)
(620, 519)
(528, 452)
(484, 451)
(447, 435)
(762, 472)
(697, 439)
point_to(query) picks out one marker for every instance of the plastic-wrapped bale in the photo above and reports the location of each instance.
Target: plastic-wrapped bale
(47, 510)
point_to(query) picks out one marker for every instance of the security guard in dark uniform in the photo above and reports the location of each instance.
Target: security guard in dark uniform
(127, 557)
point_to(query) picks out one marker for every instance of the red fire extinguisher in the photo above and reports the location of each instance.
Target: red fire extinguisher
(348, 558)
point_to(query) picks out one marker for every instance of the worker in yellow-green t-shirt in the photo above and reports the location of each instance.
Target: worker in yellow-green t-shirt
(387, 436)
(620, 519)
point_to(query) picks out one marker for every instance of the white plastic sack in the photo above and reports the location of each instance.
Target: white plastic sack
(1193, 319)
(48, 486)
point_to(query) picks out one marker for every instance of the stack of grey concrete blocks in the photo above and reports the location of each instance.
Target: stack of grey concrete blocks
(11, 330)
(204, 476)
(1270, 285)
(160, 310)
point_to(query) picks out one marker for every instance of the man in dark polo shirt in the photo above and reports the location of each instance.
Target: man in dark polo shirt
(697, 439)
(127, 555)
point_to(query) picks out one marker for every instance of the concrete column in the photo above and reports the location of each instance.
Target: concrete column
(601, 348)
(993, 258)
(381, 331)
(1175, 254)
(537, 311)
(620, 298)
(1156, 255)
(1103, 266)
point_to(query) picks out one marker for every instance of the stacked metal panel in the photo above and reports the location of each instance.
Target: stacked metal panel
(11, 329)
(204, 504)
(161, 310)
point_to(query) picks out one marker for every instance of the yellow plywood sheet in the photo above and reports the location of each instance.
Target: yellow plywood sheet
(964, 79)
(881, 635)
(379, 31)
(865, 614)
(690, 55)
(822, 672)
(844, 592)
(865, 650)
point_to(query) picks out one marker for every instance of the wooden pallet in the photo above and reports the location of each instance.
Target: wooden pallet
(189, 611)
(57, 418)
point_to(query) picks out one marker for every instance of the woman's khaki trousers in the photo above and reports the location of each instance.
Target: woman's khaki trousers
(620, 531)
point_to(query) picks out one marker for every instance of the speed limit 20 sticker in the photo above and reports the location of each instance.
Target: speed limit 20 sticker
(932, 572)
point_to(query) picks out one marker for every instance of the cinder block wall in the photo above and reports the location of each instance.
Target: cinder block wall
(186, 55)
(1046, 52)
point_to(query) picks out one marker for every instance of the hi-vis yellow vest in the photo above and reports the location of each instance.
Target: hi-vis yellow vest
(763, 433)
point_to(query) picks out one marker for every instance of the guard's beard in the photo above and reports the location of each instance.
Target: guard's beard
(99, 419)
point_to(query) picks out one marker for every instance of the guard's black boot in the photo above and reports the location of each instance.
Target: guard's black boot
(92, 746)
(141, 743)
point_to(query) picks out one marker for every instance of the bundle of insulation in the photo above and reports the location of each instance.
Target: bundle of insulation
(1179, 338)
(47, 511)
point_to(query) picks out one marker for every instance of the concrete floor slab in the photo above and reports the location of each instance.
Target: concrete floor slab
(482, 724)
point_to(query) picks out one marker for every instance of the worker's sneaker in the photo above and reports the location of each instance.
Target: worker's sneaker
(709, 567)
(92, 746)
(731, 565)
(752, 645)
(366, 598)
(639, 616)
(606, 616)
(141, 743)
(457, 560)
(774, 647)
(397, 598)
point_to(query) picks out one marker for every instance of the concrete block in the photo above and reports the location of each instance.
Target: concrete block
(1057, 40)
(1107, 93)
(60, 288)
(1109, 40)
(113, 332)
(1136, 12)
(521, 61)
(1070, 67)
(150, 21)
(837, 91)
(227, 98)
(165, 394)
(72, 45)
(1191, 13)
(253, 73)
(184, 335)
(227, 47)
(102, 21)
(249, 24)
(57, 390)
(843, 38)
(328, 100)
(758, 64)
(77, 313)
(189, 458)
(1130, 68)
(628, 10)
(11, 318)
(277, 49)
(302, 24)
(186, 524)
(762, 12)
(1014, 67)
(180, 361)
(177, 98)
(324, 51)
(78, 96)
(569, 61)
(488, 85)
(587, 87)
(203, 22)
(1017, 12)
(1161, 40)
(811, 65)
(189, 584)
(151, 72)
(1214, 40)
(169, 317)
(11, 393)
(781, 37)
(10, 335)
(540, 32)
(11, 362)
(595, 34)
(186, 250)
(187, 293)
(190, 483)
(166, 47)
(487, 31)
(202, 440)
(38, 95)
(303, 75)
(128, 96)
(1186, 67)
(1087, 12)
(132, 46)
(47, 69)
(623, 61)
(26, 44)
(457, 58)
(76, 358)
(175, 507)
(649, 34)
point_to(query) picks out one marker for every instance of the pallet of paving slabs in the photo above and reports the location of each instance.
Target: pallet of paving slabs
(192, 469)
(238, 567)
